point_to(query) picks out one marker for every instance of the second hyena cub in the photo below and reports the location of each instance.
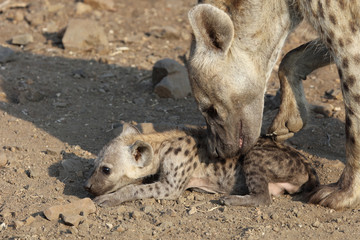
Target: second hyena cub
(180, 160)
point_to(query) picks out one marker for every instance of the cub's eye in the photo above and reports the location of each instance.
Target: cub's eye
(211, 112)
(106, 170)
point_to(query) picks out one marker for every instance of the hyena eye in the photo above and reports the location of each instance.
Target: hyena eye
(105, 170)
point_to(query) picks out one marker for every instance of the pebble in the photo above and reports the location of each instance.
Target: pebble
(192, 210)
(147, 209)
(82, 8)
(34, 172)
(120, 229)
(135, 215)
(3, 159)
(316, 224)
(84, 206)
(72, 219)
(6, 54)
(3, 226)
(22, 39)
(109, 225)
(85, 35)
(170, 79)
(101, 4)
(166, 32)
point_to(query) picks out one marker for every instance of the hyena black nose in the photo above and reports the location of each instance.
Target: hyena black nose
(87, 186)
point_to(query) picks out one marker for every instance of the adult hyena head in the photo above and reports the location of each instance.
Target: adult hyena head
(224, 82)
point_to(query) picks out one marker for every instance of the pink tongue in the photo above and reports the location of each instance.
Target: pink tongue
(240, 142)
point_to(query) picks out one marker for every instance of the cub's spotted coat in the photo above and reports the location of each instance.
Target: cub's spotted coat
(180, 160)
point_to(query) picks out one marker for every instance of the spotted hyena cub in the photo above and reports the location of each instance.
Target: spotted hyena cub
(180, 160)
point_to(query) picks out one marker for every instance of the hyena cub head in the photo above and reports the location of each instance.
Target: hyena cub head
(122, 162)
(224, 79)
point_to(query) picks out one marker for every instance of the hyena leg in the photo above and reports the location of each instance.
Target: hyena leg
(158, 190)
(294, 68)
(258, 192)
(346, 192)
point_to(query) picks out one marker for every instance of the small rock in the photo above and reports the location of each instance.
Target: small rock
(3, 226)
(3, 159)
(72, 219)
(109, 225)
(192, 211)
(85, 35)
(84, 206)
(147, 209)
(22, 39)
(35, 19)
(29, 220)
(101, 4)
(18, 224)
(166, 32)
(50, 152)
(19, 16)
(316, 224)
(120, 229)
(55, 7)
(135, 215)
(6, 54)
(170, 79)
(5, 213)
(82, 8)
(34, 172)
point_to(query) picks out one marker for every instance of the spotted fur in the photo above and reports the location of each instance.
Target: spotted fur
(180, 160)
(235, 46)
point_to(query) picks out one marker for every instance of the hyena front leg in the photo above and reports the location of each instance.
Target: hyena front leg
(346, 192)
(294, 68)
(158, 190)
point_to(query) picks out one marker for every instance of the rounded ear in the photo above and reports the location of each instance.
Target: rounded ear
(213, 28)
(129, 129)
(142, 153)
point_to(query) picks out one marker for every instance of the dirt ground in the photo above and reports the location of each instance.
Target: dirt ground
(60, 106)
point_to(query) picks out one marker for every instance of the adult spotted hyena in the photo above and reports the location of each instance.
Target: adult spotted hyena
(235, 46)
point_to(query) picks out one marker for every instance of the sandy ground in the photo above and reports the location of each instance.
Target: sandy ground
(59, 105)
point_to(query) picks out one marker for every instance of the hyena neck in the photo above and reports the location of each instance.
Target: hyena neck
(261, 30)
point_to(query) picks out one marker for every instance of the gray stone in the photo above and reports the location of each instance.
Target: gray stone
(170, 79)
(85, 35)
(22, 39)
(6, 54)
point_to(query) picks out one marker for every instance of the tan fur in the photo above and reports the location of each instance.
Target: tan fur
(231, 62)
(180, 160)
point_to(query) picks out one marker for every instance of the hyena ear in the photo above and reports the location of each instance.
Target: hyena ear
(129, 129)
(142, 153)
(213, 28)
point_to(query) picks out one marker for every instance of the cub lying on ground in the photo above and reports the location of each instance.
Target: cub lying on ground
(180, 161)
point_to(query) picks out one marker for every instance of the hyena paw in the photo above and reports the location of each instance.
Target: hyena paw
(333, 196)
(285, 125)
(107, 200)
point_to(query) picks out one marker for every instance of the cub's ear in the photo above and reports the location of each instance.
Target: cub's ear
(129, 129)
(142, 153)
(213, 28)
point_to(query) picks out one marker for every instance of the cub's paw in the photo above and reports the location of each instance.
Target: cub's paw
(107, 200)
